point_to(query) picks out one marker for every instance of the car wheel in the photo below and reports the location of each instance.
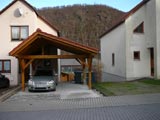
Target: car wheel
(54, 89)
(7, 84)
(29, 90)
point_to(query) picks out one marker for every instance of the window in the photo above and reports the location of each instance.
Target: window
(5, 66)
(113, 59)
(136, 55)
(19, 33)
(139, 28)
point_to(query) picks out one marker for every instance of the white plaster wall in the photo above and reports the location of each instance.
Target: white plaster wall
(157, 57)
(45, 28)
(150, 24)
(137, 42)
(141, 68)
(150, 15)
(114, 42)
(151, 30)
(7, 19)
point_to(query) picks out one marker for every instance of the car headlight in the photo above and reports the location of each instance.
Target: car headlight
(30, 82)
(50, 82)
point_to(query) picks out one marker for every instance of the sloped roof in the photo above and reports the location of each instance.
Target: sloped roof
(32, 8)
(40, 38)
(123, 18)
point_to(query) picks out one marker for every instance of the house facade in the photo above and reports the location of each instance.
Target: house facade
(28, 42)
(131, 48)
(18, 21)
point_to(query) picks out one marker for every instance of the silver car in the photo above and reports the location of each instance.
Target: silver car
(43, 80)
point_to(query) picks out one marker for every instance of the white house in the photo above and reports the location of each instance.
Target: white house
(28, 41)
(131, 48)
(18, 21)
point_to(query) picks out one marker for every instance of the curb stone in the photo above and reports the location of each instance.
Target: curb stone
(9, 94)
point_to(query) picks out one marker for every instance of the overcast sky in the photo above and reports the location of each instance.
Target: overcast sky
(124, 5)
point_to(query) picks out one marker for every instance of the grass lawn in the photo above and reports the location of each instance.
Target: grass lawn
(128, 88)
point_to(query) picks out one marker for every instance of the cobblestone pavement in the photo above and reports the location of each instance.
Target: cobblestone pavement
(50, 103)
(136, 112)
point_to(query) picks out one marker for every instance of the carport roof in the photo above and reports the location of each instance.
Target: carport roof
(40, 38)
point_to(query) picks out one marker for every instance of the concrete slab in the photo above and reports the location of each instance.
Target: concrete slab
(72, 91)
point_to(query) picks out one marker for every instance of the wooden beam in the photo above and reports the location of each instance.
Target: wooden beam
(51, 56)
(28, 63)
(82, 61)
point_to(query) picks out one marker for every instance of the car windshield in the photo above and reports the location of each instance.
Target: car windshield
(43, 73)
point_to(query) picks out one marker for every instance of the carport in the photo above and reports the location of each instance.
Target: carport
(35, 47)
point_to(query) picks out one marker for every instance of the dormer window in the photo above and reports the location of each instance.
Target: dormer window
(139, 28)
(19, 33)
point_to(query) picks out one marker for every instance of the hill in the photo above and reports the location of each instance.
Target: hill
(82, 23)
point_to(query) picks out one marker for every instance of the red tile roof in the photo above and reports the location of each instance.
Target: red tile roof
(123, 18)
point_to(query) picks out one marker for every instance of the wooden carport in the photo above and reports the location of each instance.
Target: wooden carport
(28, 51)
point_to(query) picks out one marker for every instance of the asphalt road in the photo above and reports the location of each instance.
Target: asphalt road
(133, 112)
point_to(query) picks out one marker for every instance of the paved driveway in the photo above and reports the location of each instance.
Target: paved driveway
(64, 91)
(71, 91)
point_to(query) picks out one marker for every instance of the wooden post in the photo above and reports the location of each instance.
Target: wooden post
(24, 65)
(84, 74)
(90, 72)
(90, 79)
(23, 80)
(23, 74)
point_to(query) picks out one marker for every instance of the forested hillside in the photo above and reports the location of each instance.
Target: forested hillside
(82, 23)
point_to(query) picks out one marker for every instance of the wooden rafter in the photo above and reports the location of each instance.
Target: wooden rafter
(51, 56)
(82, 61)
(40, 37)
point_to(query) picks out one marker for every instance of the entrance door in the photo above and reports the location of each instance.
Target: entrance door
(152, 61)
